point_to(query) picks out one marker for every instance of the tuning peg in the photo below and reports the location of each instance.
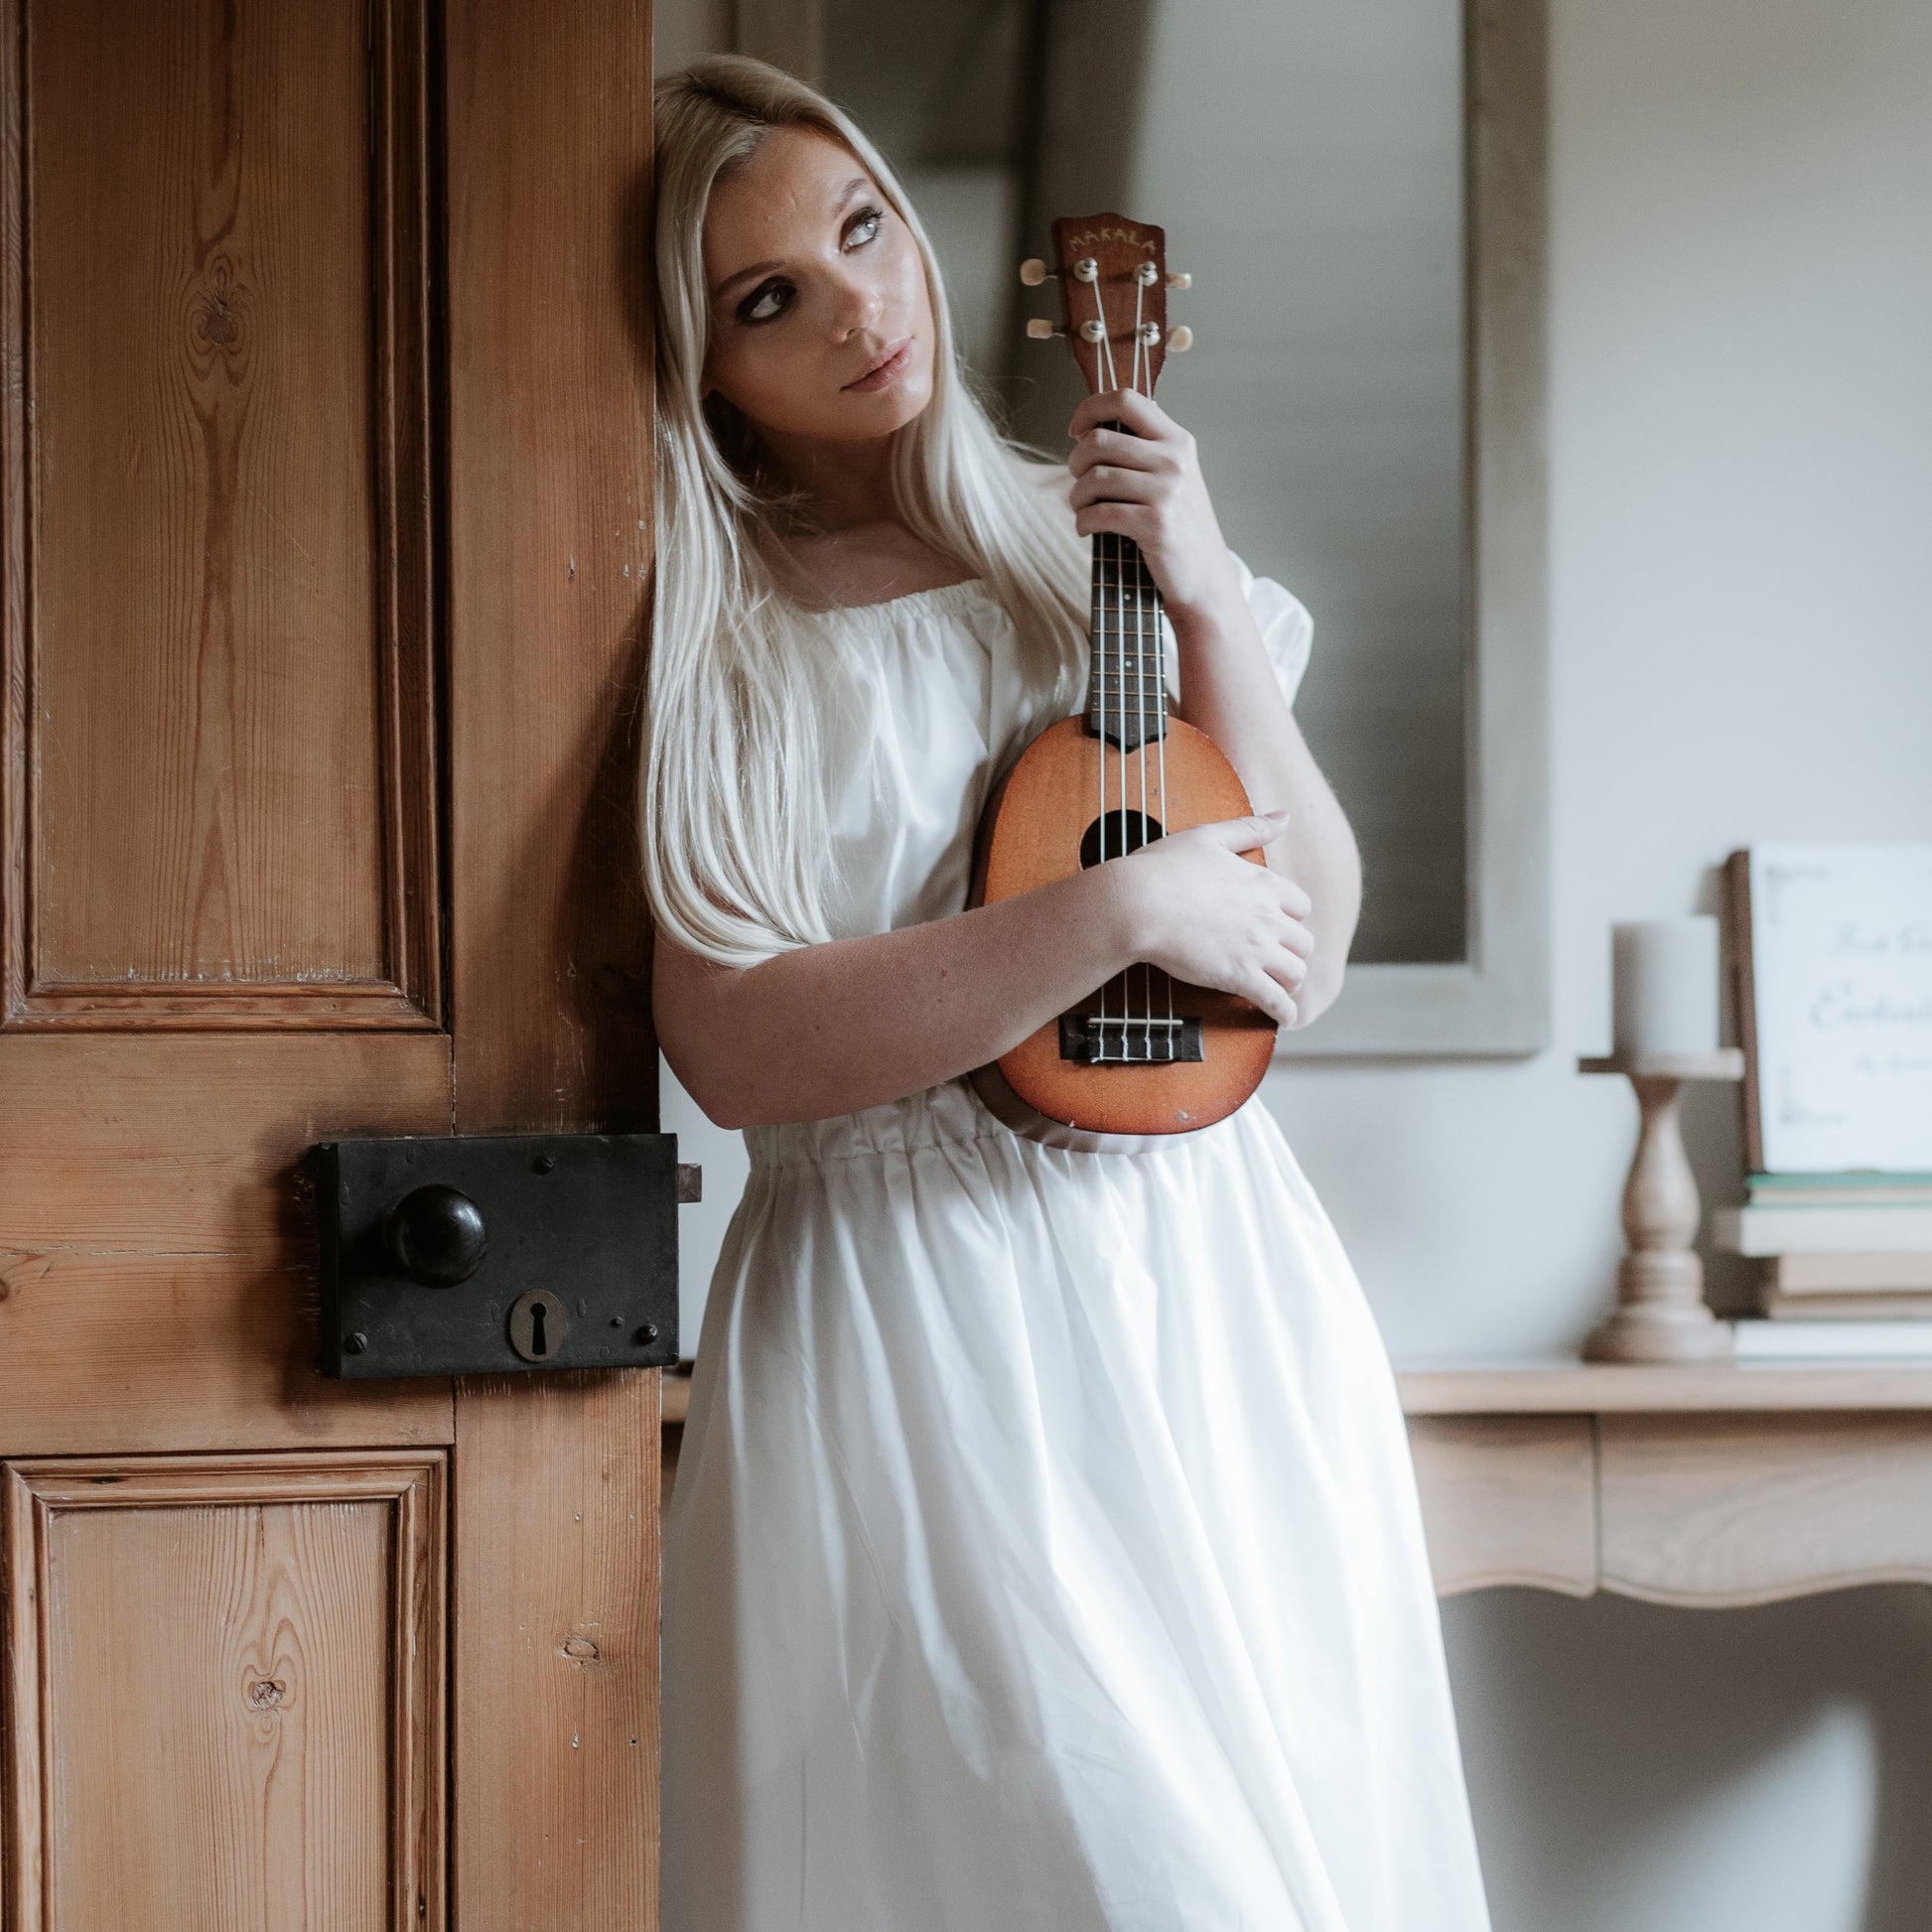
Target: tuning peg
(1179, 341)
(1179, 278)
(1040, 329)
(1034, 271)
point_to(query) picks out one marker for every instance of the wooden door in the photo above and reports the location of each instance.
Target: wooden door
(323, 452)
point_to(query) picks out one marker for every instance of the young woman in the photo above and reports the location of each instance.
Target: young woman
(1044, 1551)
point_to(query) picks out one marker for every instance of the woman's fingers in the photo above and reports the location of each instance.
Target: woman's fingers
(1107, 483)
(1141, 521)
(1245, 834)
(1142, 414)
(1110, 449)
(1258, 990)
(1295, 902)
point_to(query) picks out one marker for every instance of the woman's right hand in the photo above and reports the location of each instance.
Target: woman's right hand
(1201, 912)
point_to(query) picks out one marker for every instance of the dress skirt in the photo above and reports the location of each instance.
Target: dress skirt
(1046, 1553)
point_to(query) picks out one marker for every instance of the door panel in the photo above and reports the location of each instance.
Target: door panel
(226, 1681)
(218, 468)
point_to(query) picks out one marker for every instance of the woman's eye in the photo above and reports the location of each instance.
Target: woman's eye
(864, 227)
(767, 300)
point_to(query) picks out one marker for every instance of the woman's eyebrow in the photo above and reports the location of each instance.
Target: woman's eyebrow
(742, 275)
(856, 184)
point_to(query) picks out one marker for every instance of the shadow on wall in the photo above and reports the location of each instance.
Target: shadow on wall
(1794, 1730)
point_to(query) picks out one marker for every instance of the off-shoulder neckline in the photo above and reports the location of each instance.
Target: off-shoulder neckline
(969, 587)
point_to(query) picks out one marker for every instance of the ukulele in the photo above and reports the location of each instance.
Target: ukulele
(1144, 1054)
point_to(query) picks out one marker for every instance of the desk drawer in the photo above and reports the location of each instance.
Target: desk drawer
(1507, 1499)
(1717, 1509)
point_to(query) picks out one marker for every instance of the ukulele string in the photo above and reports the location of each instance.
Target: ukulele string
(1117, 560)
(1149, 618)
(1161, 686)
(1141, 379)
(1099, 627)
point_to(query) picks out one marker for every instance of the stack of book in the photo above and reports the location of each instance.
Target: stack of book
(1832, 948)
(1850, 1251)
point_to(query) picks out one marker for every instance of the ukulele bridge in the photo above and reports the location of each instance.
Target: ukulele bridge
(1129, 1040)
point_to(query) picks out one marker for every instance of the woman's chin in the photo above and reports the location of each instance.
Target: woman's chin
(844, 417)
(865, 419)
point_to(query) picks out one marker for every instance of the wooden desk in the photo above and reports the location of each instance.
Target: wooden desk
(1704, 1484)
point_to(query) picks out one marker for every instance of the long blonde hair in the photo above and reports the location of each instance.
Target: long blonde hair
(732, 813)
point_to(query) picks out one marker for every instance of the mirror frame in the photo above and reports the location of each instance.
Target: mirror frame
(1497, 1001)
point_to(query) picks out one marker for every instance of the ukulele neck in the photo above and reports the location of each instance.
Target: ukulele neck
(1126, 692)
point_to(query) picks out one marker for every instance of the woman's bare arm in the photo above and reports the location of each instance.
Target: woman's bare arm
(830, 1029)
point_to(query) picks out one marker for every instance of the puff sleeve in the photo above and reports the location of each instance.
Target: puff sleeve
(1287, 632)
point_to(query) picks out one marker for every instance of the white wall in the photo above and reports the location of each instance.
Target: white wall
(1741, 639)
(681, 30)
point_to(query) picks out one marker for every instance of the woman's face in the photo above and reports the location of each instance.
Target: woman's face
(821, 326)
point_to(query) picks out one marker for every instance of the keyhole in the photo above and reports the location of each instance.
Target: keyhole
(538, 1326)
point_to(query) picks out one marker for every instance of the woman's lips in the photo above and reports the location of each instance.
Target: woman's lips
(889, 368)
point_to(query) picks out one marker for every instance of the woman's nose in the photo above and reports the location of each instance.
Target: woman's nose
(856, 305)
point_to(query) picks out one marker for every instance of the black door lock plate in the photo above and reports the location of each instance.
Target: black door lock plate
(499, 1253)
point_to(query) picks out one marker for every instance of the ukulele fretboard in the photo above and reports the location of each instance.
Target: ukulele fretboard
(1127, 695)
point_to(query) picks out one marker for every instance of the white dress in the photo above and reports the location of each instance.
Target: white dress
(1045, 1554)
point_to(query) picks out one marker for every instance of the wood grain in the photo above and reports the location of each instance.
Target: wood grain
(556, 1653)
(119, 1353)
(1561, 1383)
(557, 1486)
(157, 1238)
(1731, 1509)
(179, 1144)
(550, 431)
(1508, 1499)
(270, 1631)
(216, 470)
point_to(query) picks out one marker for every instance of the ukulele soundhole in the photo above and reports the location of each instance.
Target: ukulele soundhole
(1125, 832)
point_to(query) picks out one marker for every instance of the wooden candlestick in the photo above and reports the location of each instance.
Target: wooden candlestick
(1660, 1313)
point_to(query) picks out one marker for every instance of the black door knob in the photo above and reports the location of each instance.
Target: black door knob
(436, 1236)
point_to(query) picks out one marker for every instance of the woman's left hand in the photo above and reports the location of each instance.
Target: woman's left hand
(1147, 485)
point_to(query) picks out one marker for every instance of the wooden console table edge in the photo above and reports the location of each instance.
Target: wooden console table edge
(1565, 1385)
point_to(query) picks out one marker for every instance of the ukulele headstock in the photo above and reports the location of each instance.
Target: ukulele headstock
(1114, 282)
